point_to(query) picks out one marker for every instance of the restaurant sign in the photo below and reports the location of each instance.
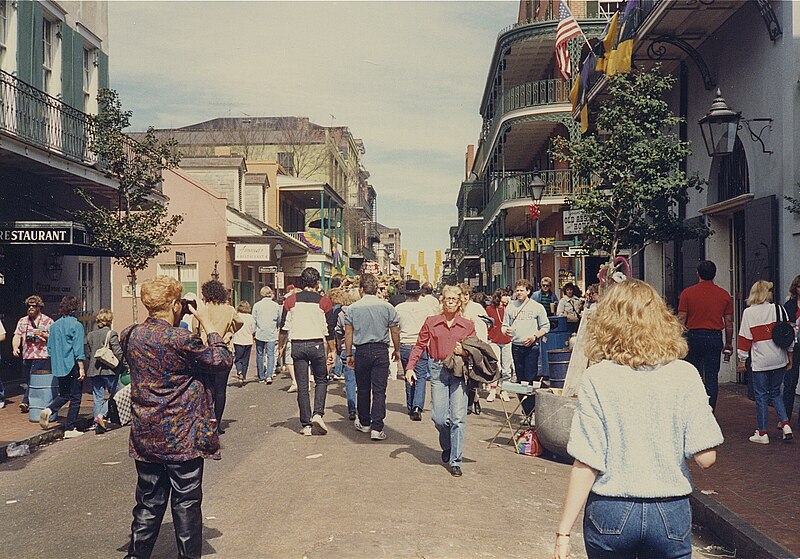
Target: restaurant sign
(36, 233)
(251, 252)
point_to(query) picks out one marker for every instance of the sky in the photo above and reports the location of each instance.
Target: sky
(405, 77)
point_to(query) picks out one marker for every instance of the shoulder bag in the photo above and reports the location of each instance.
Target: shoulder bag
(104, 354)
(783, 332)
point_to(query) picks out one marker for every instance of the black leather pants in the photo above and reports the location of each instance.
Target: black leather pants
(155, 483)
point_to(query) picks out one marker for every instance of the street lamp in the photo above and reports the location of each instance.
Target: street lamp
(278, 249)
(537, 188)
(719, 127)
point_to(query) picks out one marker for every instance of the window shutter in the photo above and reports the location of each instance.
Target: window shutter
(29, 47)
(67, 60)
(102, 70)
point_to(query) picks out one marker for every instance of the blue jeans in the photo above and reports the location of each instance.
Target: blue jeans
(372, 376)
(100, 384)
(269, 347)
(526, 364)
(349, 382)
(415, 393)
(310, 354)
(767, 388)
(242, 358)
(705, 348)
(630, 528)
(449, 409)
(69, 391)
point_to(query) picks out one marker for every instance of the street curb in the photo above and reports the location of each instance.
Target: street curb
(737, 534)
(44, 437)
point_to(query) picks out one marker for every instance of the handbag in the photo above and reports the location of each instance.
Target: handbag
(122, 400)
(527, 443)
(105, 356)
(782, 333)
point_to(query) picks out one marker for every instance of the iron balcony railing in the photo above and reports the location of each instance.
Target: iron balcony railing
(509, 187)
(44, 121)
(531, 94)
(547, 10)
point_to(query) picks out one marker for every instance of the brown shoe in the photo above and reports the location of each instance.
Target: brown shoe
(24, 408)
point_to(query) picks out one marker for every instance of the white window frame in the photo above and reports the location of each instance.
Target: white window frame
(4, 17)
(92, 45)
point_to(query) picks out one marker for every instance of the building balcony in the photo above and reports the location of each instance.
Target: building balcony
(314, 241)
(61, 134)
(470, 200)
(511, 191)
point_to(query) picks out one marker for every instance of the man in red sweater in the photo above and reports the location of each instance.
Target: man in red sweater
(705, 309)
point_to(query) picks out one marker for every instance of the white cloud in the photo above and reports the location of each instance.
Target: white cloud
(406, 77)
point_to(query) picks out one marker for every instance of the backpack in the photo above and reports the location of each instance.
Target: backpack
(782, 333)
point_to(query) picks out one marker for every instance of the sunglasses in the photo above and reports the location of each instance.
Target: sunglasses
(33, 306)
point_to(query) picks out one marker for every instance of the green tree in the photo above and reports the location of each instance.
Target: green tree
(794, 203)
(135, 227)
(635, 168)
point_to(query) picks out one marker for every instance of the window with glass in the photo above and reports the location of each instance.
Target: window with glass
(186, 274)
(3, 22)
(47, 53)
(286, 160)
(87, 288)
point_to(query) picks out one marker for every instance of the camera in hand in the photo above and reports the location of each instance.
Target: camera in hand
(30, 338)
(185, 304)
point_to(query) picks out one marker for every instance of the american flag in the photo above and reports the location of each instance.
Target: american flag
(567, 29)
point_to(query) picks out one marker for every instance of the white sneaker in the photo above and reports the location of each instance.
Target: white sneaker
(491, 395)
(268, 380)
(306, 431)
(2, 404)
(293, 387)
(377, 435)
(74, 433)
(787, 432)
(44, 418)
(760, 439)
(319, 423)
(504, 396)
(359, 427)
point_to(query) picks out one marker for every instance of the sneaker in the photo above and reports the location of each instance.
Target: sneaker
(351, 415)
(492, 394)
(293, 387)
(73, 433)
(504, 396)
(306, 431)
(268, 380)
(377, 435)
(240, 378)
(44, 418)
(359, 427)
(319, 423)
(2, 404)
(416, 414)
(760, 439)
(24, 408)
(787, 432)
(262, 381)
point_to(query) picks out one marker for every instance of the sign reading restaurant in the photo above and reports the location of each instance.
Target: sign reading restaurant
(36, 232)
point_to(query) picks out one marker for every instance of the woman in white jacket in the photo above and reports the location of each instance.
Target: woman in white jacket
(768, 361)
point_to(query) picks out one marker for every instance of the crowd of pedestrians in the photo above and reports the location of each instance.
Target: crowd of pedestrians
(180, 358)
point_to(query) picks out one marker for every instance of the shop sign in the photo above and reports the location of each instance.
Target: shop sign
(371, 267)
(36, 233)
(528, 244)
(267, 269)
(574, 222)
(280, 280)
(251, 252)
(497, 268)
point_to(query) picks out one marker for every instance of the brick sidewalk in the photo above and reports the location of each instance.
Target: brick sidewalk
(15, 426)
(759, 483)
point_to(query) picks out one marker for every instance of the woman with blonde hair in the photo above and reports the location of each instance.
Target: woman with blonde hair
(768, 361)
(442, 335)
(641, 412)
(103, 376)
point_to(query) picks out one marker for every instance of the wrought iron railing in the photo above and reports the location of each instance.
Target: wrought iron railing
(547, 10)
(531, 94)
(47, 122)
(515, 186)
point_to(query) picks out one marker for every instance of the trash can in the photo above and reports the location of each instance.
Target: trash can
(558, 363)
(556, 338)
(43, 389)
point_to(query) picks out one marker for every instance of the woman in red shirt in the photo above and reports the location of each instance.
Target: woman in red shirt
(441, 335)
(501, 344)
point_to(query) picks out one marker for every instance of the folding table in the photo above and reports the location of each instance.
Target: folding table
(527, 391)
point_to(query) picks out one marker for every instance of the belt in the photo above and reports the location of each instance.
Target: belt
(368, 344)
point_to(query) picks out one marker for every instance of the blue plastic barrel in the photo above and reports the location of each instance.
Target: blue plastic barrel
(42, 391)
(558, 363)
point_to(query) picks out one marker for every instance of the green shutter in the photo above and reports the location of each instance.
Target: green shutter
(29, 28)
(67, 75)
(77, 71)
(102, 70)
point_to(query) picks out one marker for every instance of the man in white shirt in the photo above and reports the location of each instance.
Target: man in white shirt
(428, 298)
(412, 314)
(267, 316)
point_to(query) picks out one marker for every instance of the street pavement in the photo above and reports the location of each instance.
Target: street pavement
(277, 494)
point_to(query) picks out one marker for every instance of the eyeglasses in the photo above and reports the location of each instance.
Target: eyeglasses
(33, 306)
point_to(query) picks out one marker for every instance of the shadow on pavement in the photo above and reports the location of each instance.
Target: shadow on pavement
(165, 545)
